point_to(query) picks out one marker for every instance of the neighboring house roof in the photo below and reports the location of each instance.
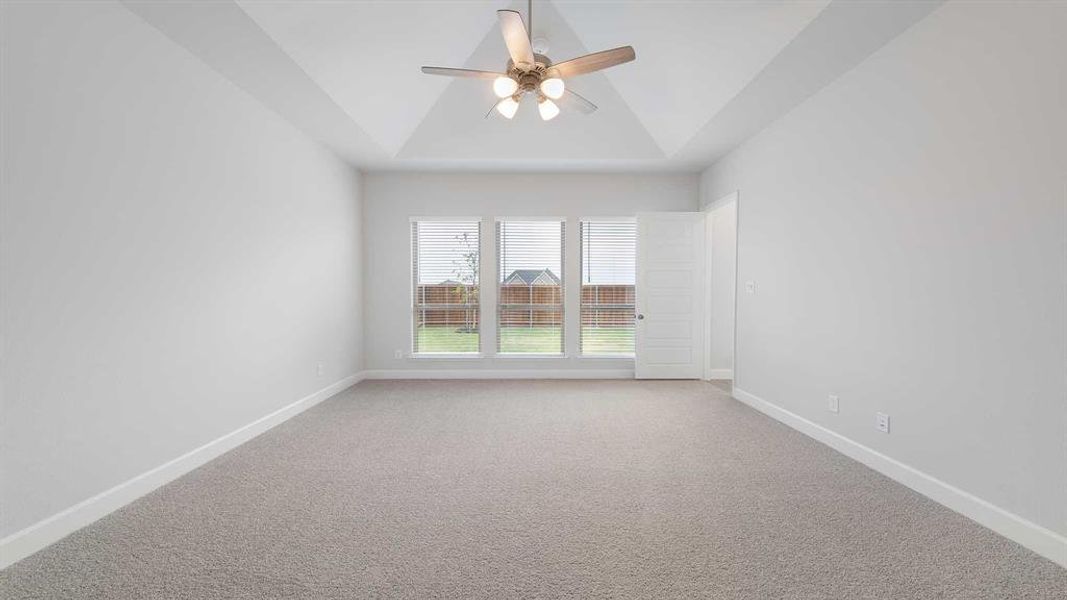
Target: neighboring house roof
(532, 277)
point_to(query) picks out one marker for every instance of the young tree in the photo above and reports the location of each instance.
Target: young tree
(465, 268)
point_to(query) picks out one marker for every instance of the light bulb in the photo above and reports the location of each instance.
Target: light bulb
(552, 87)
(507, 107)
(548, 109)
(504, 86)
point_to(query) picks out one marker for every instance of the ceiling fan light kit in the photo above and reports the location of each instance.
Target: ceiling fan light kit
(534, 73)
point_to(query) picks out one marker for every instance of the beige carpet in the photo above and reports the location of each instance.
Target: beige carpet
(521, 489)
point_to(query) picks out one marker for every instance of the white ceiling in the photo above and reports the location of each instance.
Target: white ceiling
(366, 55)
(694, 56)
(356, 64)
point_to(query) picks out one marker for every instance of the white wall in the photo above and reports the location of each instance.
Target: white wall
(392, 198)
(175, 260)
(906, 231)
(721, 224)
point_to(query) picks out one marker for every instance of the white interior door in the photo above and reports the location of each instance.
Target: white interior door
(670, 296)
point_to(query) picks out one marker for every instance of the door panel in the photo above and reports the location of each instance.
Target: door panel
(670, 296)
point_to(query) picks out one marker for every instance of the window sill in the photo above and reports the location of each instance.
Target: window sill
(446, 355)
(603, 356)
(513, 355)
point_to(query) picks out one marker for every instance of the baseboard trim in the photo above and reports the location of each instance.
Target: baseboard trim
(720, 374)
(1045, 542)
(499, 374)
(21, 544)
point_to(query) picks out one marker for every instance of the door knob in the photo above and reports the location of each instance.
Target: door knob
(640, 317)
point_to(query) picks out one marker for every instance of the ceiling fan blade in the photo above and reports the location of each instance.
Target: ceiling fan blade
(574, 100)
(593, 62)
(515, 36)
(450, 72)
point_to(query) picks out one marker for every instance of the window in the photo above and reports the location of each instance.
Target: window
(444, 267)
(530, 302)
(609, 266)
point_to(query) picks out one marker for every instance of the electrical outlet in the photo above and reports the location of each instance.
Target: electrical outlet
(398, 354)
(750, 287)
(881, 422)
(321, 370)
(832, 403)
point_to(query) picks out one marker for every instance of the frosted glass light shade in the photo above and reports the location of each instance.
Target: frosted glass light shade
(548, 109)
(507, 107)
(504, 86)
(553, 88)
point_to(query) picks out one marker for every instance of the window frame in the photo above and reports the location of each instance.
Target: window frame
(413, 291)
(498, 276)
(581, 273)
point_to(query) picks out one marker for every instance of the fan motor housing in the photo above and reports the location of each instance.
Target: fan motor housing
(530, 77)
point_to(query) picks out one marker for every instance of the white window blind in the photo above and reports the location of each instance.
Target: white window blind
(609, 270)
(444, 273)
(530, 299)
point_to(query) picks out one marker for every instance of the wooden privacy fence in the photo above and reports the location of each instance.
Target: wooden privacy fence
(447, 304)
(451, 304)
(608, 305)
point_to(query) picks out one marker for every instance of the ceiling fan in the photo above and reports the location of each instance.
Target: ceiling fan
(529, 72)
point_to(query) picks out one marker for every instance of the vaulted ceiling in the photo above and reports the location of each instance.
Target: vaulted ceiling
(347, 73)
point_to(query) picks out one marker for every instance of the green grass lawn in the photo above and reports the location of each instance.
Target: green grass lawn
(531, 340)
(446, 339)
(607, 340)
(539, 340)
